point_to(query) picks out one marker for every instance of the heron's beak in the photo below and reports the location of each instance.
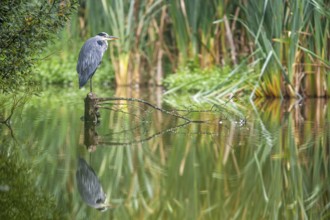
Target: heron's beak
(112, 38)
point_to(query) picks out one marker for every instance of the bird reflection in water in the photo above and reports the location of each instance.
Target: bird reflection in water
(89, 187)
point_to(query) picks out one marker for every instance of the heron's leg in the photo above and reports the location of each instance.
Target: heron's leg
(90, 81)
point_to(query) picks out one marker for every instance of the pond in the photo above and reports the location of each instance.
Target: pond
(261, 160)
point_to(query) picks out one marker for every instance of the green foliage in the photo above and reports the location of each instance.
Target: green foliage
(57, 69)
(193, 79)
(19, 197)
(26, 28)
(216, 82)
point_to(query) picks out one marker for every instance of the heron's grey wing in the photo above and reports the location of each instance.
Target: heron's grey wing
(89, 185)
(90, 57)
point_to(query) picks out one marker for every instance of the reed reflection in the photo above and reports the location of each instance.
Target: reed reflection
(277, 155)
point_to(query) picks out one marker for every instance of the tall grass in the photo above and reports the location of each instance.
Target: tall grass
(291, 36)
(285, 42)
(154, 33)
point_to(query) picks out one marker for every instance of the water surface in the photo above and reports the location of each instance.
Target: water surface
(266, 160)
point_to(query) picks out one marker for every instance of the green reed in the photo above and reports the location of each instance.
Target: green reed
(284, 43)
(293, 34)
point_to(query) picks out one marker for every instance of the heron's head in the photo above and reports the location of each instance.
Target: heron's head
(106, 36)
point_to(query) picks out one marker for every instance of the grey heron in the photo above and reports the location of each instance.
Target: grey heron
(90, 57)
(89, 186)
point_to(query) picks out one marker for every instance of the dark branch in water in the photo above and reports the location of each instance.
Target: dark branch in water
(93, 104)
(118, 110)
(148, 104)
(145, 139)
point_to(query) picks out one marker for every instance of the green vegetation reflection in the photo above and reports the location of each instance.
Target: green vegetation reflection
(275, 166)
